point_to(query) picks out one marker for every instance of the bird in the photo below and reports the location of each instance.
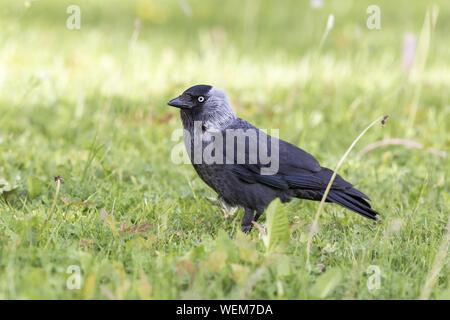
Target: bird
(240, 173)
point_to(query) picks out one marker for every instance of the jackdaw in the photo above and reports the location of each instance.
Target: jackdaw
(249, 168)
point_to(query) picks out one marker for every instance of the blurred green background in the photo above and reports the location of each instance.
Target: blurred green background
(265, 55)
(90, 105)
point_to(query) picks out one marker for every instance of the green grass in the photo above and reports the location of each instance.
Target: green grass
(89, 105)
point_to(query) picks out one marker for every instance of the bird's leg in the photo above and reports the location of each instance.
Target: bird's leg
(247, 220)
(258, 214)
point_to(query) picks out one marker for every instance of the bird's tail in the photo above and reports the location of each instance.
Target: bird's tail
(352, 199)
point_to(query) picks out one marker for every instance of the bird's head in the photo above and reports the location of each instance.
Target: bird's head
(205, 103)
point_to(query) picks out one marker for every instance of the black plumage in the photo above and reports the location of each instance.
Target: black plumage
(240, 183)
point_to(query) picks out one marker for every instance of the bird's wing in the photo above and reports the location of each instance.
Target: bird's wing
(290, 156)
(297, 169)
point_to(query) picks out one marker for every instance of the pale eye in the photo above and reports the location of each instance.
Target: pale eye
(201, 99)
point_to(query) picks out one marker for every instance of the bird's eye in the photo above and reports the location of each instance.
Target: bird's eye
(201, 99)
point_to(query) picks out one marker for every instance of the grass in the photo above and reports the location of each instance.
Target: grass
(89, 105)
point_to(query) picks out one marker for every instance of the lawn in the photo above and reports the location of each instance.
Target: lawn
(89, 105)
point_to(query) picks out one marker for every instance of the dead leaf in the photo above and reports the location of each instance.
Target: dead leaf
(260, 228)
(86, 243)
(295, 225)
(135, 229)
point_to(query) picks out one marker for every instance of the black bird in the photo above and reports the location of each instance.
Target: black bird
(240, 173)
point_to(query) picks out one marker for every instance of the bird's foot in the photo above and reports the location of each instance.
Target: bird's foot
(246, 228)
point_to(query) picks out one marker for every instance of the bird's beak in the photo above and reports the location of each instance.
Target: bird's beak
(179, 102)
